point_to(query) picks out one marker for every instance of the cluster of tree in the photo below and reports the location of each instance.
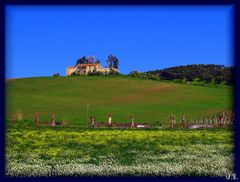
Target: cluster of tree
(99, 73)
(144, 75)
(209, 73)
(112, 61)
(56, 74)
(89, 60)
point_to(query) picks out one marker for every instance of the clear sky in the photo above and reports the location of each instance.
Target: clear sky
(42, 40)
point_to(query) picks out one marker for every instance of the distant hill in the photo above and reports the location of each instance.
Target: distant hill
(148, 101)
(196, 72)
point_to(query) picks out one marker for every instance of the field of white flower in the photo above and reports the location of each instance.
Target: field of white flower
(112, 152)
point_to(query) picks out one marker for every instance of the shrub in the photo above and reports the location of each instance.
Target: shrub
(56, 74)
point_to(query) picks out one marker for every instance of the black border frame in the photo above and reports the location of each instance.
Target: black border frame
(236, 50)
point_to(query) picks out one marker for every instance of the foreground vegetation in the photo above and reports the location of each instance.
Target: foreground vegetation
(41, 151)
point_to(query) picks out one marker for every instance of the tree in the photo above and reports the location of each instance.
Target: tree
(82, 60)
(109, 61)
(203, 73)
(97, 60)
(184, 80)
(56, 74)
(135, 73)
(91, 59)
(115, 62)
(112, 61)
(195, 80)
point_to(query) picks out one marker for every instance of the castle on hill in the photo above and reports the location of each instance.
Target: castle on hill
(84, 69)
(90, 65)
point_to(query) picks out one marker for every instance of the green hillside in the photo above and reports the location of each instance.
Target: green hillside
(146, 100)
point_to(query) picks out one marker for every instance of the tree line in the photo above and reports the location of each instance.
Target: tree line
(207, 73)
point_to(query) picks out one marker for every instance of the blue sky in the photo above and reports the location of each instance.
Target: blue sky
(42, 40)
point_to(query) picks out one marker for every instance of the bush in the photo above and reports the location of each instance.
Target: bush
(112, 73)
(74, 74)
(56, 74)
(98, 73)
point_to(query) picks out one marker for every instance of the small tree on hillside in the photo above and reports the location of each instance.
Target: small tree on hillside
(135, 73)
(112, 61)
(115, 63)
(109, 61)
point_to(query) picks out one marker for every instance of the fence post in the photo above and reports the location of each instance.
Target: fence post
(37, 118)
(109, 119)
(92, 120)
(171, 121)
(14, 119)
(183, 121)
(53, 120)
(132, 121)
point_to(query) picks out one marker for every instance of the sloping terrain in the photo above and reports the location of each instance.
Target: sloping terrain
(74, 99)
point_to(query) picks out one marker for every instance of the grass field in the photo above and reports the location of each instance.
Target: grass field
(77, 151)
(146, 100)
(46, 151)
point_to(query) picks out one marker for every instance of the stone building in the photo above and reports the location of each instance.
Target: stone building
(84, 69)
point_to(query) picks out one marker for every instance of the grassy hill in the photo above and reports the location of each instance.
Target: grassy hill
(146, 100)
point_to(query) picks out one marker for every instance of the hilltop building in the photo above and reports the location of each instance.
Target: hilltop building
(84, 69)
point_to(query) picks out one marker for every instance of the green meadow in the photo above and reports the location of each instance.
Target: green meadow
(79, 151)
(148, 101)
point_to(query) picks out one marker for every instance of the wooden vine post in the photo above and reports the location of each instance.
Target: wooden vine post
(37, 120)
(14, 119)
(132, 121)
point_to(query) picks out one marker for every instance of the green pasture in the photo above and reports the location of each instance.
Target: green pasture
(148, 101)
